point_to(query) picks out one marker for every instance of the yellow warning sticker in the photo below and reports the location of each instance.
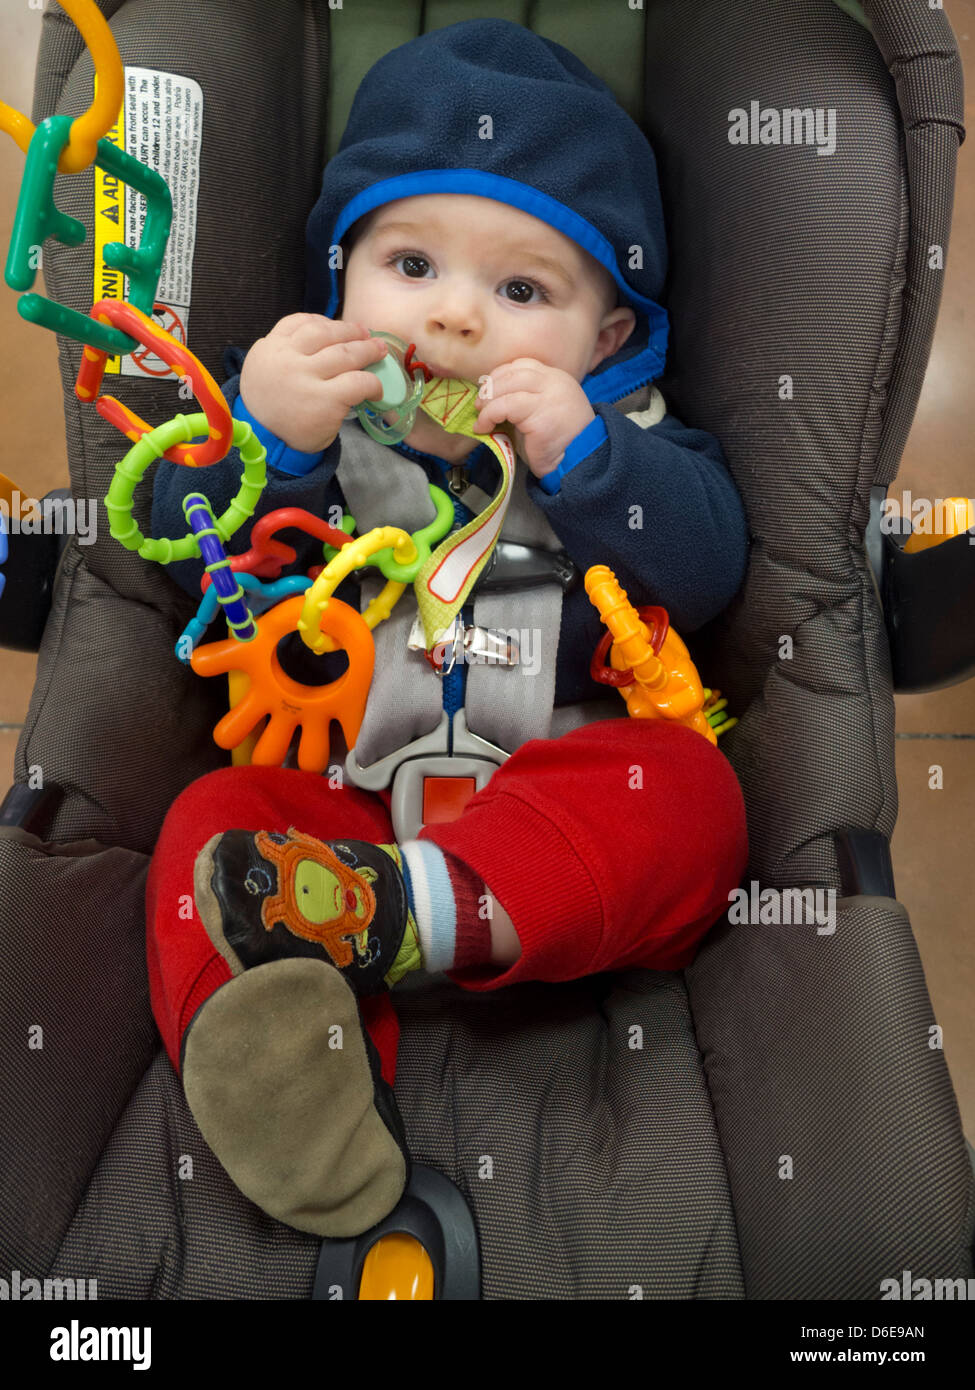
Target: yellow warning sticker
(160, 124)
(109, 226)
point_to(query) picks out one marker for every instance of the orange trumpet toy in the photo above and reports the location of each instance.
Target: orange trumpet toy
(650, 666)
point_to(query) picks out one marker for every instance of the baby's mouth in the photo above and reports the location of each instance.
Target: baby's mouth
(437, 370)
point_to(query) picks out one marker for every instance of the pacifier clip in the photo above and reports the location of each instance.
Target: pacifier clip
(444, 582)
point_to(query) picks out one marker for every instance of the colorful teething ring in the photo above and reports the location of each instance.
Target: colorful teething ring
(129, 472)
(178, 358)
(268, 593)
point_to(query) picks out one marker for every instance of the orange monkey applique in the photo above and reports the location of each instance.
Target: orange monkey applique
(318, 897)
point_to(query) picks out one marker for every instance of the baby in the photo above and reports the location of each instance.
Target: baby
(492, 205)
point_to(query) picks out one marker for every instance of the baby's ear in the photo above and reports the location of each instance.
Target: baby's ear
(615, 327)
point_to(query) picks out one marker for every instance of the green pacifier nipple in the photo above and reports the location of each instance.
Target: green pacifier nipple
(400, 393)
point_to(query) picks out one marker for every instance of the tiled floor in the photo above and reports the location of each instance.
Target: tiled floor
(934, 835)
(30, 385)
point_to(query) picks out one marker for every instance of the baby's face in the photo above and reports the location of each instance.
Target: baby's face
(475, 283)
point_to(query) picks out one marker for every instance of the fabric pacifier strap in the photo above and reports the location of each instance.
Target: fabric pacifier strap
(442, 585)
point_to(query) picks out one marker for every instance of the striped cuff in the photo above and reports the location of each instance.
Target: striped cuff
(279, 456)
(586, 442)
(433, 903)
(444, 894)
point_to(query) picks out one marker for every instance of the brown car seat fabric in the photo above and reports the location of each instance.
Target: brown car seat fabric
(801, 309)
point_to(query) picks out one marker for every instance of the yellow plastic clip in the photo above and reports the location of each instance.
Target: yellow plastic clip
(350, 557)
(98, 120)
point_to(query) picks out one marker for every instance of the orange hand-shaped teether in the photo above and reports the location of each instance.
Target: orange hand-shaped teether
(286, 702)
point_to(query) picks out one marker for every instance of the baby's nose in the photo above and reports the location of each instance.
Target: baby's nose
(456, 314)
(461, 325)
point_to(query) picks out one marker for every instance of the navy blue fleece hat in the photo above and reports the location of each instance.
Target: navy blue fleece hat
(562, 149)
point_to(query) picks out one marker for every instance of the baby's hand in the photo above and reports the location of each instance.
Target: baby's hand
(303, 378)
(547, 406)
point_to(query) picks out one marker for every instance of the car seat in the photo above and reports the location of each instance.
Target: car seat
(590, 1166)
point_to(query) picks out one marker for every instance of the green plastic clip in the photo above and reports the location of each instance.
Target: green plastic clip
(424, 540)
(38, 218)
(129, 472)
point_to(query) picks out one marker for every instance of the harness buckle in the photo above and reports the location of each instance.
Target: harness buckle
(419, 773)
(473, 644)
(491, 647)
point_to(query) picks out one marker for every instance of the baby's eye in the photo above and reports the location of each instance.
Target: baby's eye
(412, 265)
(521, 291)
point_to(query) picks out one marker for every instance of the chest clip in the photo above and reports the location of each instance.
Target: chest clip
(474, 645)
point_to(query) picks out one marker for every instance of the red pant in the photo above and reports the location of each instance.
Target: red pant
(613, 847)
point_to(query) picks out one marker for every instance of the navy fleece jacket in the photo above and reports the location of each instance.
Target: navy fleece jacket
(414, 129)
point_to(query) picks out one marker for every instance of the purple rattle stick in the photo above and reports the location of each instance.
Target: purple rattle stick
(229, 593)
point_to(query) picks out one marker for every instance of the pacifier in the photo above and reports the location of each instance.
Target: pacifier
(403, 384)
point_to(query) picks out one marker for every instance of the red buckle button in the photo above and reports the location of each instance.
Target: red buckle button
(444, 798)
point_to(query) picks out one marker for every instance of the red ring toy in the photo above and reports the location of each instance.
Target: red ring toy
(657, 620)
(266, 557)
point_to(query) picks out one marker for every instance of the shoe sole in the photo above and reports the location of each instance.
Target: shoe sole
(208, 906)
(287, 1103)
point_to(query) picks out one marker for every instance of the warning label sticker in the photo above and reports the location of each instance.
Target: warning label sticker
(161, 125)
